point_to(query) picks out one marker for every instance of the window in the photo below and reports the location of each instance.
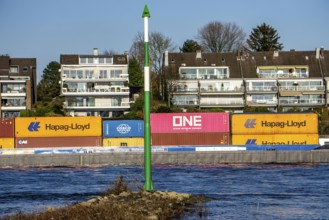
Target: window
(116, 73)
(103, 74)
(83, 60)
(25, 69)
(13, 69)
(89, 74)
(90, 60)
(106, 60)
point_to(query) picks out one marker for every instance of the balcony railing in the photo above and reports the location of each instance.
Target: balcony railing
(120, 77)
(185, 102)
(221, 89)
(93, 105)
(186, 90)
(262, 89)
(262, 102)
(221, 102)
(286, 101)
(301, 88)
(98, 90)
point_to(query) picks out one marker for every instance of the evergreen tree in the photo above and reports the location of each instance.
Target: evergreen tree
(49, 87)
(49, 101)
(264, 38)
(190, 46)
(135, 74)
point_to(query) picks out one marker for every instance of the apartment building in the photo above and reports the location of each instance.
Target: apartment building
(18, 85)
(232, 81)
(95, 85)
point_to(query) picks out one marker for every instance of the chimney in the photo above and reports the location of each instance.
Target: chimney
(166, 61)
(322, 51)
(198, 54)
(275, 53)
(317, 53)
(95, 51)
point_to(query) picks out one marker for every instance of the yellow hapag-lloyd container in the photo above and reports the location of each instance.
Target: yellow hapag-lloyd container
(58, 126)
(278, 123)
(7, 143)
(275, 139)
(123, 142)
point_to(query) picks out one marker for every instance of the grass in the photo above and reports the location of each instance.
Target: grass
(120, 202)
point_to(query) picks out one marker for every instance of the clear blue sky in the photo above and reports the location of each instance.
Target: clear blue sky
(44, 29)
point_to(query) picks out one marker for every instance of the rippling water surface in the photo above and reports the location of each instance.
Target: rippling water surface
(239, 191)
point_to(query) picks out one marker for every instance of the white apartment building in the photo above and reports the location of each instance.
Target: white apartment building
(95, 85)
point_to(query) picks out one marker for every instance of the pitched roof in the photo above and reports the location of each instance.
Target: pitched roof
(244, 64)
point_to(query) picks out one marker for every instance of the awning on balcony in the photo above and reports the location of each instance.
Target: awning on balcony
(291, 93)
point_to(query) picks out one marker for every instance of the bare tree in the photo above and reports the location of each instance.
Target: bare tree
(110, 52)
(218, 37)
(137, 48)
(158, 44)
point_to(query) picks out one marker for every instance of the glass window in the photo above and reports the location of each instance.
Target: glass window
(89, 74)
(80, 74)
(90, 60)
(103, 74)
(83, 60)
(13, 69)
(115, 73)
(109, 60)
(188, 73)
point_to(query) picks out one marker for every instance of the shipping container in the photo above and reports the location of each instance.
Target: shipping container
(54, 142)
(275, 139)
(123, 128)
(7, 143)
(123, 142)
(292, 123)
(189, 122)
(58, 126)
(7, 127)
(178, 139)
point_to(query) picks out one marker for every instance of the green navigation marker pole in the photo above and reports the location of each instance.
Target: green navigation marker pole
(147, 128)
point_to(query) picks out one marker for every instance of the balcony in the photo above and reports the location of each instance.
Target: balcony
(211, 89)
(185, 102)
(262, 89)
(92, 105)
(262, 102)
(185, 90)
(221, 102)
(121, 77)
(13, 93)
(96, 91)
(301, 102)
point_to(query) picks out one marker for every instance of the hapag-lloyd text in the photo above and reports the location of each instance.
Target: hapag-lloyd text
(72, 126)
(283, 124)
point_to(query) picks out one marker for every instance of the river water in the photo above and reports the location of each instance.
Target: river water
(239, 191)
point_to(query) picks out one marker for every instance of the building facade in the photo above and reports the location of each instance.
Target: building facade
(95, 85)
(18, 85)
(277, 80)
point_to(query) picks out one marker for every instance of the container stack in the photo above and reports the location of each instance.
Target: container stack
(7, 133)
(123, 133)
(53, 132)
(177, 129)
(275, 129)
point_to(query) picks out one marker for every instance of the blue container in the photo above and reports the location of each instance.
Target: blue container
(123, 128)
